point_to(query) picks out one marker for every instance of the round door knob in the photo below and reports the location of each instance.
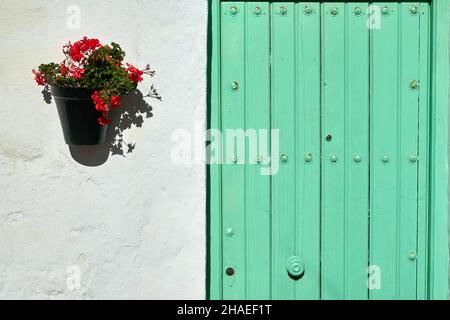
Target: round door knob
(295, 267)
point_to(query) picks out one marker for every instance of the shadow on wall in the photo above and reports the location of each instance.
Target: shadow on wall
(133, 112)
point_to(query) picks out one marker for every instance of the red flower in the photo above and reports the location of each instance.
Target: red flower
(80, 48)
(104, 121)
(134, 74)
(99, 103)
(39, 78)
(78, 73)
(93, 43)
(75, 52)
(115, 102)
(63, 69)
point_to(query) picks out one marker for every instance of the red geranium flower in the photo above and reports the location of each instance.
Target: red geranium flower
(78, 73)
(115, 102)
(63, 69)
(104, 121)
(39, 78)
(99, 103)
(78, 50)
(134, 74)
(75, 52)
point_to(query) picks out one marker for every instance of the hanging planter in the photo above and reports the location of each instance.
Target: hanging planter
(78, 116)
(87, 85)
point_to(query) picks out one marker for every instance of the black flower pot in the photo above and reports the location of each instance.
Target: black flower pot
(78, 116)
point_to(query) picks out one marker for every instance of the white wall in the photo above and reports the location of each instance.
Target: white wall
(134, 225)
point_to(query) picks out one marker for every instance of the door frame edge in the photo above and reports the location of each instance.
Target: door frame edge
(438, 179)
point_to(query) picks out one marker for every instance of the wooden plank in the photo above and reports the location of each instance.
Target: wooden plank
(385, 170)
(438, 246)
(333, 151)
(233, 174)
(215, 183)
(283, 118)
(307, 135)
(408, 124)
(356, 220)
(424, 118)
(395, 123)
(384, 145)
(257, 117)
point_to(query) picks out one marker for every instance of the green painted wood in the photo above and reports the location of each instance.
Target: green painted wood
(408, 125)
(307, 144)
(215, 182)
(438, 234)
(233, 174)
(394, 125)
(283, 118)
(424, 102)
(384, 173)
(257, 118)
(318, 210)
(384, 145)
(356, 127)
(333, 151)
(345, 110)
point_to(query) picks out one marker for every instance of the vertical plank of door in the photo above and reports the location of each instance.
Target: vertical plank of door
(423, 150)
(356, 228)
(257, 115)
(384, 143)
(333, 170)
(215, 183)
(233, 175)
(408, 105)
(395, 134)
(308, 147)
(283, 118)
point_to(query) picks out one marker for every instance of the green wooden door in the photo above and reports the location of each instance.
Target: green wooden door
(343, 213)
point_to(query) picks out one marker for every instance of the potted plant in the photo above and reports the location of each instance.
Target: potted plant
(86, 85)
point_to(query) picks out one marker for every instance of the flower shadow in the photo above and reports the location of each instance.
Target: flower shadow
(46, 95)
(132, 113)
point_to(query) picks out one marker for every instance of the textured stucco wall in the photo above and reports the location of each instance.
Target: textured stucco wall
(134, 225)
